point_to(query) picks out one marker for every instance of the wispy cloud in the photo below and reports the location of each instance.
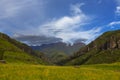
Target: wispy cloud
(68, 27)
(13, 8)
(118, 8)
(10, 8)
(114, 23)
(21, 15)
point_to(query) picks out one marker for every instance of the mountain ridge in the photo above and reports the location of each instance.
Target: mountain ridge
(58, 51)
(15, 51)
(105, 49)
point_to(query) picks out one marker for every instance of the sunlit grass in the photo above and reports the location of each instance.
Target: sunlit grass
(39, 72)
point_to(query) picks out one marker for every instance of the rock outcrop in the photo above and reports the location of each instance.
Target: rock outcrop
(105, 49)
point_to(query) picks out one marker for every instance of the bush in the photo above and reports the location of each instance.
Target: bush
(1, 54)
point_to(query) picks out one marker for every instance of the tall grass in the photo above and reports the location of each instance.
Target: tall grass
(39, 72)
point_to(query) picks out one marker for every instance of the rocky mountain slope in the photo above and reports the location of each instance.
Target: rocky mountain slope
(105, 49)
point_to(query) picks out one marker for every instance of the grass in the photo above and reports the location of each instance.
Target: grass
(21, 57)
(40, 72)
(13, 54)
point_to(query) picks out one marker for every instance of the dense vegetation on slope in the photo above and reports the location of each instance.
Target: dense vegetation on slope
(12, 51)
(105, 49)
(58, 51)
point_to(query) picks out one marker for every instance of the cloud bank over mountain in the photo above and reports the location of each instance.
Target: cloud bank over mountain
(76, 20)
(68, 28)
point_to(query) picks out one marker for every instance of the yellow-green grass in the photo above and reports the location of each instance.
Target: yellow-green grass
(39, 72)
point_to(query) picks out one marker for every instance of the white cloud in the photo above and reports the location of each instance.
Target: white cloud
(11, 8)
(76, 9)
(118, 8)
(114, 23)
(21, 15)
(69, 28)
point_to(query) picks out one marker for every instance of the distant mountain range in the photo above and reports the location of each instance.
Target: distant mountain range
(58, 51)
(105, 49)
(12, 51)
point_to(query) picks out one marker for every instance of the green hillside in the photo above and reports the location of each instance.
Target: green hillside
(58, 51)
(105, 49)
(12, 51)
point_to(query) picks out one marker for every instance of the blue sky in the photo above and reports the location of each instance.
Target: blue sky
(66, 20)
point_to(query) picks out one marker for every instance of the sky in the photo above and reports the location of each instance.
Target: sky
(37, 22)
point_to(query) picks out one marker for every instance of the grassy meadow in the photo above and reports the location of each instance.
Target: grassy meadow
(40, 72)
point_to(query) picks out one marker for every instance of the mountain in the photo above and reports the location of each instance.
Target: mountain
(12, 51)
(58, 51)
(105, 49)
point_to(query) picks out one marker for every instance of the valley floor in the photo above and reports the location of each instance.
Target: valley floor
(39, 72)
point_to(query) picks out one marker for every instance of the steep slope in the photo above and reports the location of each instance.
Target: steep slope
(105, 49)
(12, 51)
(58, 51)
